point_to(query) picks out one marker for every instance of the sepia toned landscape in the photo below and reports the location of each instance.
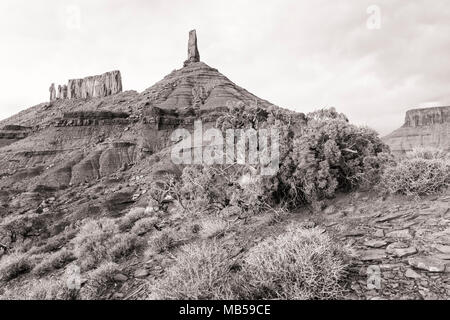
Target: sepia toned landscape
(93, 204)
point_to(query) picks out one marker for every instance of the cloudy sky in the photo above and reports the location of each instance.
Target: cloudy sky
(372, 60)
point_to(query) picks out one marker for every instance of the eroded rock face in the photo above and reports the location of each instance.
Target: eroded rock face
(102, 85)
(429, 127)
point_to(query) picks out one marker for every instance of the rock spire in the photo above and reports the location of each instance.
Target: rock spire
(193, 54)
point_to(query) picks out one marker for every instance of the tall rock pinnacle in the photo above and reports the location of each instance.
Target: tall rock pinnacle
(193, 54)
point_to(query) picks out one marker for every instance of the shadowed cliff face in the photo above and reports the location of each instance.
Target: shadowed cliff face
(427, 127)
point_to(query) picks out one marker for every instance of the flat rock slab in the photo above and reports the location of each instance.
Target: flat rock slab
(410, 273)
(375, 243)
(427, 263)
(402, 234)
(442, 248)
(400, 249)
(389, 217)
(354, 233)
(374, 254)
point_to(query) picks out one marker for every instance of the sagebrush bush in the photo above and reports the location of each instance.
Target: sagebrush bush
(428, 153)
(99, 281)
(201, 271)
(100, 241)
(13, 265)
(144, 225)
(122, 245)
(128, 221)
(417, 176)
(40, 289)
(162, 242)
(298, 264)
(91, 242)
(212, 227)
(319, 155)
(331, 155)
(54, 261)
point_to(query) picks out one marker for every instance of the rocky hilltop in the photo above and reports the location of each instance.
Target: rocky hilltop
(426, 127)
(100, 131)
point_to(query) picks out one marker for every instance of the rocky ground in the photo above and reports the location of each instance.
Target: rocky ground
(406, 241)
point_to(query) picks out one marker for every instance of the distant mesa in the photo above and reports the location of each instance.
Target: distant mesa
(424, 127)
(103, 85)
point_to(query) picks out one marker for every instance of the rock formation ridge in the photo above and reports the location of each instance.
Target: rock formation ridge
(425, 127)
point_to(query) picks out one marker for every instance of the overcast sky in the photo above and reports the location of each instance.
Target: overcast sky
(301, 55)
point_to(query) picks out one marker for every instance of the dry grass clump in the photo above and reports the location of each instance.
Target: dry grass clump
(131, 217)
(417, 176)
(91, 242)
(54, 261)
(212, 227)
(162, 242)
(40, 289)
(100, 241)
(428, 153)
(122, 245)
(100, 280)
(201, 271)
(298, 264)
(143, 226)
(13, 265)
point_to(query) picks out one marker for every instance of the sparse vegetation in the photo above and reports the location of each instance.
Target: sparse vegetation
(143, 226)
(422, 172)
(13, 265)
(91, 242)
(162, 242)
(201, 271)
(128, 221)
(41, 289)
(212, 227)
(298, 264)
(54, 261)
(99, 281)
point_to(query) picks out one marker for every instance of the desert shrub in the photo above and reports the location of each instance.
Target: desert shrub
(416, 176)
(212, 227)
(54, 261)
(99, 281)
(298, 264)
(145, 225)
(40, 289)
(13, 265)
(53, 244)
(122, 245)
(99, 241)
(130, 218)
(428, 153)
(91, 243)
(333, 155)
(319, 155)
(201, 271)
(162, 242)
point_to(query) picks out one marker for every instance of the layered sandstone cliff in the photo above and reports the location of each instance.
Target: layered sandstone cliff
(103, 85)
(426, 127)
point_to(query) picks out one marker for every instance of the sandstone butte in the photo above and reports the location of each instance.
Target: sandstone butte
(98, 129)
(426, 127)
